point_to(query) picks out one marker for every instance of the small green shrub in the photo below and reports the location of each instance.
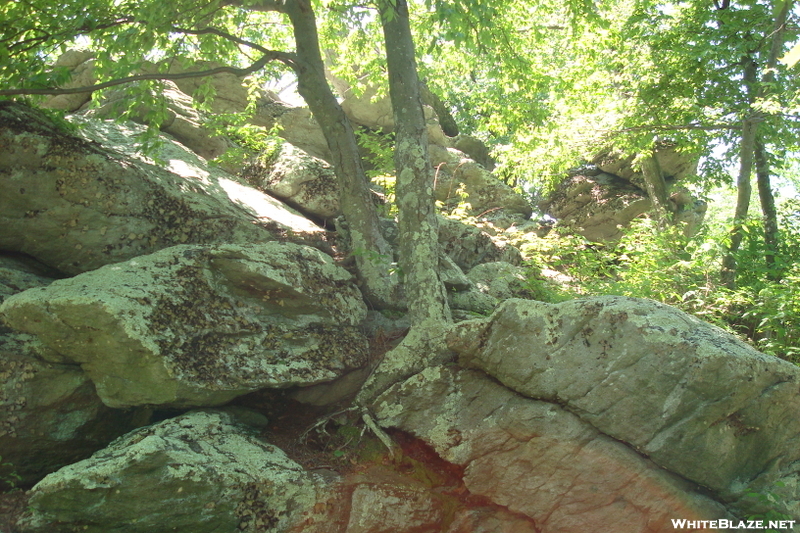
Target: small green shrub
(8, 476)
(767, 503)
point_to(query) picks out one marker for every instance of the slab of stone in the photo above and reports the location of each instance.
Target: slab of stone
(76, 205)
(201, 325)
(688, 395)
(537, 459)
(201, 472)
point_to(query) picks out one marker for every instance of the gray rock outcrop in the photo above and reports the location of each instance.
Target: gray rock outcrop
(499, 279)
(195, 325)
(199, 472)
(690, 397)
(674, 165)
(597, 207)
(537, 459)
(489, 284)
(600, 203)
(229, 93)
(75, 205)
(181, 119)
(50, 415)
(468, 246)
(80, 66)
(306, 183)
(455, 172)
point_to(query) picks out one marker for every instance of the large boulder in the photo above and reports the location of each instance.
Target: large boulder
(456, 173)
(229, 92)
(372, 108)
(19, 272)
(500, 280)
(393, 505)
(296, 125)
(692, 398)
(489, 284)
(305, 182)
(538, 460)
(674, 165)
(201, 472)
(181, 120)
(201, 325)
(468, 246)
(597, 207)
(50, 415)
(76, 205)
(80, 66)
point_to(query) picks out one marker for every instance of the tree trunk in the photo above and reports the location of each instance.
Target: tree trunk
(744, 190)
(656, 190)
(767, 209)
(750, 135)
(418, 226)
(372, 253)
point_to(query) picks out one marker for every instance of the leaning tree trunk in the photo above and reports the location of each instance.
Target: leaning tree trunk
(744, 190)
(767, 209)
(372, 253)
(656, 189)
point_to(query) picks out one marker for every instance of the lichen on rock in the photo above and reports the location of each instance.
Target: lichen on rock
(199, 472)
(195, 325)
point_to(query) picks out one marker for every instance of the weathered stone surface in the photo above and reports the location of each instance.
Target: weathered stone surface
(451, 275)
(375, 112)
(691, 397)
(18, 273)
(455, 171)
(75, 205)
(489, 284)
(395, 506)
(408, 497)
(230, 95)
(81, 68)
(333, 392)
(474, 301)
(294, 124)
(469, 246)
(537, 459)
(50, 415)
(182, 121)
(475, 149)
(486, 520)
(597, 207)
(199, 472)
(306, 183)
(674, 165)
(499, 279)
(199, 325)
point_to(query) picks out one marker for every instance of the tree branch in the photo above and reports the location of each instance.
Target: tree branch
(268, 55)
(672, 127)
(261, 5)
(258, 65)
(688, 127)
(226, 36)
